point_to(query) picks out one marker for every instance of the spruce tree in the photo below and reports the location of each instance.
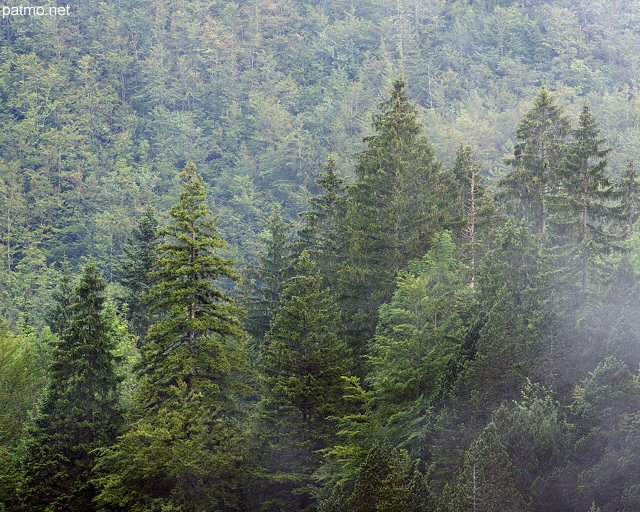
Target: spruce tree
(541, 138)
(303, 368)
(319, 236)
(630, 197)
(135, 271)
(275, 269)
(79, 413)
(182, 449)
(585, 214)
(476, 205)
(58, 314)
(399, 200)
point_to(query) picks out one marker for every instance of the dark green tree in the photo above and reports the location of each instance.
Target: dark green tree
(540, 143)
(275, 268)
(140, 255)
(319, 235)
(486, 482)
(399, 200)
(79, 413)
(476, 205)
(58, 315)
(585, 215)
(184, 420)
(630, 196)
(304, 365)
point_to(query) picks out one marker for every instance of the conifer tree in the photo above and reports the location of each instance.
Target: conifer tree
(272, 274)
(537, 158)
(476, 204)
(630, 196)
(59, 313)
(303, 368)
(182, 448)
(319, 236)
(399, 200)
(585, 215)
(80, 411)
(135, 270)
(421, 328)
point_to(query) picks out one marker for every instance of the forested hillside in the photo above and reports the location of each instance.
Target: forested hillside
(333, 256)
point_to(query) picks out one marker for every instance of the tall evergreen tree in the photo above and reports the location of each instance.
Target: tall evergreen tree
(420, 330)
(58, 315)
(630, 196)
(182, 449)
(400, 198)
(80, 411)
(319, 235)
(275, 269)
(303, 368)
(585, 215)
(140, 255)
(537, 158)
(476, 204)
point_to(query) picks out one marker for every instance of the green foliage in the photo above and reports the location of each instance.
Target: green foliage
(272, 274)
(181, 449)
(97, 110)
(303, 366)
(140, 255)
(537, 158)
(185, 457)
(80, 411)
(197, 338)
(320, 236)
(399, 200)
(421, 328)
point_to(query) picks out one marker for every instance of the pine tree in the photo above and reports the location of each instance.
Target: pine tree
(320, 236)
(80, 411)
(399, 200)
(197, 338)
(420, 329)
(477, 207)
(537, 158)
(58, 315)
(486, 482)
(183, 448)
(630, 196)
(135, 271)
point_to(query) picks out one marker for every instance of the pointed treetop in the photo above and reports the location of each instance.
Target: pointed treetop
(190, 169)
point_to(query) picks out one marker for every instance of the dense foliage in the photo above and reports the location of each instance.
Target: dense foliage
(437, 307)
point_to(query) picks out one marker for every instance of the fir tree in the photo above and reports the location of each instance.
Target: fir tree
(476, 205)
(80, 411)
(182, 448)
(272, 274)
(399, 200)
(319, 236)
(585, 215)
(537, 158)
(135, 271)
(58, 315)
(303, 368)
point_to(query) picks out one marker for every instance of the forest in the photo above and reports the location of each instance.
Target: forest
(320, 256)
